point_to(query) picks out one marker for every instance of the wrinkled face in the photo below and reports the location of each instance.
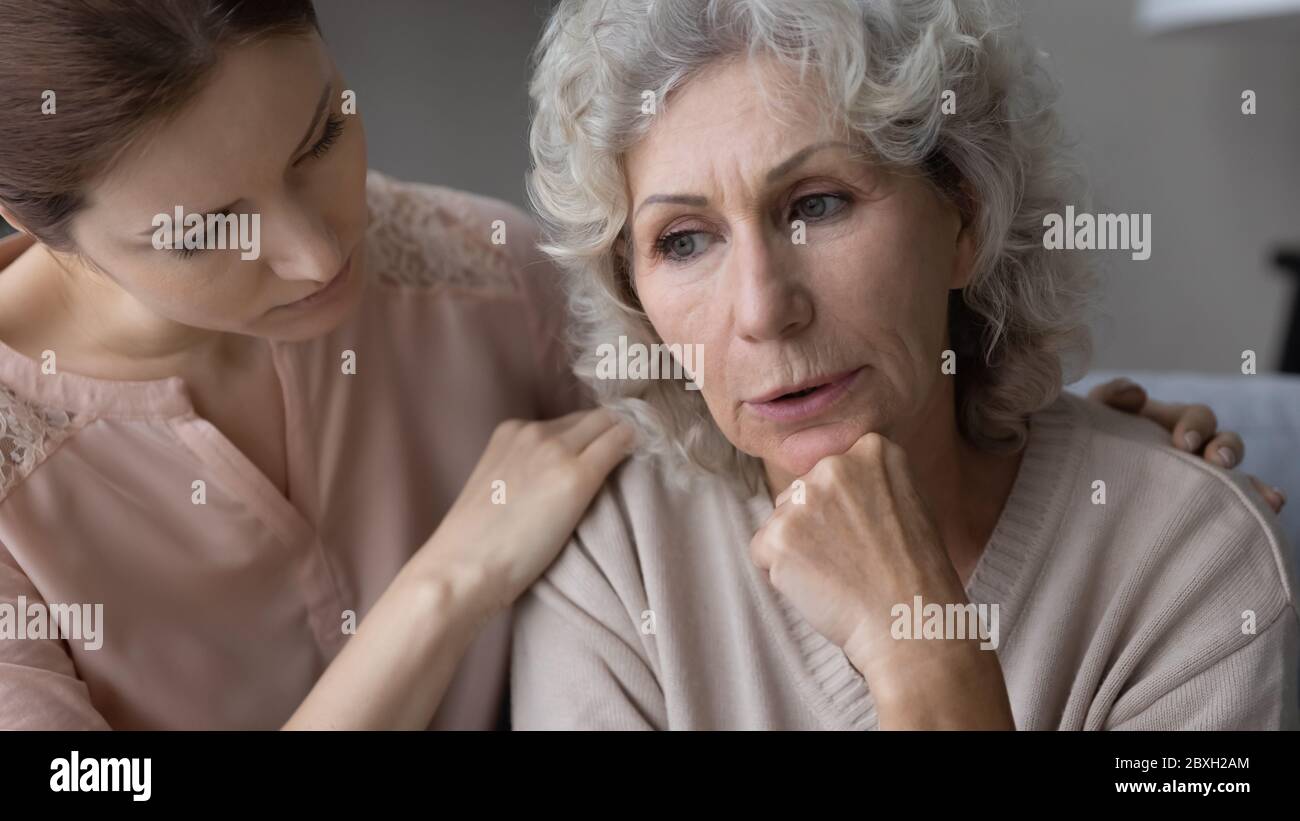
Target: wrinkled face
(265, 136)
(809, 341)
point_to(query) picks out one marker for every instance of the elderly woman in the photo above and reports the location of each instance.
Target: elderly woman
(879, 509)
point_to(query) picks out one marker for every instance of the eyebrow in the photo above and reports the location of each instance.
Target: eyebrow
(784, 167)
(675, 199)
(306, 138)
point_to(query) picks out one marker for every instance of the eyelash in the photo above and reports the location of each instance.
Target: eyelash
(659, 250)
(844, 200)
(333, 128)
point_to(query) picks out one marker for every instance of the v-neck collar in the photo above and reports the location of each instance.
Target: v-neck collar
(1004, 575)
(290, 515)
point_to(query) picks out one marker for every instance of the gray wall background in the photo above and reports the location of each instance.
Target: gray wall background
(441, 84)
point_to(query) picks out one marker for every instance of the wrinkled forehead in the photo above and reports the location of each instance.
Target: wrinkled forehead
(742, 116)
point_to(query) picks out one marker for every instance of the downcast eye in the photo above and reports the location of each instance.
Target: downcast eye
(817, 206)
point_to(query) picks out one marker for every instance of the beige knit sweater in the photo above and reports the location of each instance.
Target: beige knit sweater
(1123, 615)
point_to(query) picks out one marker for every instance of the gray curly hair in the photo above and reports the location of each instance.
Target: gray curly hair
(883, 66)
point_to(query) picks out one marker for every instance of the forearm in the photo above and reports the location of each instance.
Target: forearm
(393, 673)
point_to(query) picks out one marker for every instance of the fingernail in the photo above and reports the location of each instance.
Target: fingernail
(1192, 440)
(1226, 457)
(1280, 495)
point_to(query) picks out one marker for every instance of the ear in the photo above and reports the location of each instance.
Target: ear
(12, 247)
(966, 242)
(8, 217)
(622, 251)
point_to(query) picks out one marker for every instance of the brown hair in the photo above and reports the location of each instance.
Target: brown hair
(116, 67)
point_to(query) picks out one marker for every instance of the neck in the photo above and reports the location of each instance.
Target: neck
(105, 332)
(964, 487)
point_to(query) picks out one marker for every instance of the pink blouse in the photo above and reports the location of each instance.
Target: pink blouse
(223, 614)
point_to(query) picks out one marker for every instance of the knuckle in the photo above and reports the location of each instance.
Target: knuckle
(779, 531)
(532, 434)
(822, 476)
(873, 445)
(507, 428)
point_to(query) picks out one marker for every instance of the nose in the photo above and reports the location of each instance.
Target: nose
(769, 299)
(298, 243)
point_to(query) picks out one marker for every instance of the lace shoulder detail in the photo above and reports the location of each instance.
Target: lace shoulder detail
(28, 434)
(427, 236)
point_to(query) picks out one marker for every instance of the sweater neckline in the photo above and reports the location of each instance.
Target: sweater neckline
(1004, 574)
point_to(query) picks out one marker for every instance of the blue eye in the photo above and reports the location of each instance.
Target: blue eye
(681, 246)
(818, 207)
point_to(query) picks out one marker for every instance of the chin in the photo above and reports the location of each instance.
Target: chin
(313, 324)
(799, 452)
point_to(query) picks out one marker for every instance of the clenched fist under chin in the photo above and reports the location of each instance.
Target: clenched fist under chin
(855, 540)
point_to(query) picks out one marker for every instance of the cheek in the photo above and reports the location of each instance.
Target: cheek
(680, 310)
(219, 295)
(885, 287)
(685, 311)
